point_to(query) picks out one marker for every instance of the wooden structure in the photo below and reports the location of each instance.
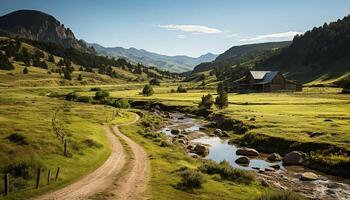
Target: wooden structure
(266, 81)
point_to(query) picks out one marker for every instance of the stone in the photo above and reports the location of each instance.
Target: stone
(202, 128)
(175, 131)
(190, 147)
(243, 160)
(276, 167)
(182, 141)
(224, 134)
(274, 157)
(218, 132)
(293, 158)
(264, 183)
(200, 149)
(247, 152)
(308, 176)
(269, 169)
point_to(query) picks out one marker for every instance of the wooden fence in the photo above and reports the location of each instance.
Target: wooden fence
(60, 134)
(38, 181)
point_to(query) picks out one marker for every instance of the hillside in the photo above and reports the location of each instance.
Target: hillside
(321, 54)
(170, 63)
(36, 25)
(33, 63)
(240, 54)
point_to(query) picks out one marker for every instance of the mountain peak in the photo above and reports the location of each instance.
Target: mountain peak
(37, 25)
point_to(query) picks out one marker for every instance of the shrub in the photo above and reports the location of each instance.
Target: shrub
(147, 90)
(25, 70)
(95, 89)
(102, 94)
(17, 138)
(190, 179)
(72, 96)
(207, 101)
(280, 195)
(154, 81)
(80, 77)
(226, 171)
(181, 89)
(84, 99)
(92, 143)
(24, 168)
(122, 103)
(221, 101)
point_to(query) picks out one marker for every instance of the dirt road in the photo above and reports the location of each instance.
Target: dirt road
(130, 186)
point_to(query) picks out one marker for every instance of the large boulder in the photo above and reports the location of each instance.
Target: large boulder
(274, 157)
(247, 152)
(243, 160)
(308, 176)
(218, 132)
(175, 131)
(293, 158)
(202, 150)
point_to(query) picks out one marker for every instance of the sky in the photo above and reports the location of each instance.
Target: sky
(185, 27)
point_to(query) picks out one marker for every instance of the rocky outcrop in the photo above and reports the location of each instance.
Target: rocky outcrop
(242, 160)
(36, 25)
(201, 150)
(293, 158)
(274, 157)
(308, 176)
(175, 131)
(247, 152)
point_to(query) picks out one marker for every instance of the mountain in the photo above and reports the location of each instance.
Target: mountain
(170, 63)
(241, 55)
(36, 25)
(319, 54)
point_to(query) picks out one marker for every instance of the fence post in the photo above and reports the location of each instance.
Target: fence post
(57, 173)
(7, 185)
(38, 178)
(48, 176)
(65, 148)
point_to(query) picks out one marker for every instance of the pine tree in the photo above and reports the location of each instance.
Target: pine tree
(80, 77)
(25, 70)
(221, 101)
(207, 101)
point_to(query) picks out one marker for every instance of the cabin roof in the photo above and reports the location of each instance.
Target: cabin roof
(263, 76)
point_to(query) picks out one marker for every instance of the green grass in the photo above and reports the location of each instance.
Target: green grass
(28, 113)
(167, 160)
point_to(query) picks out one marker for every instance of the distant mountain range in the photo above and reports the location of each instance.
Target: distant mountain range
(170, 63)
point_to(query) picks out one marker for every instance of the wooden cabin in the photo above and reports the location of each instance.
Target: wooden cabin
(266, 81)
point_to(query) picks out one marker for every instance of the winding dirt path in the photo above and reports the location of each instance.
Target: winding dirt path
(104, 178)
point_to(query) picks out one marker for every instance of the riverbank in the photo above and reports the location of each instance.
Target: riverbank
(284, 177)
(326, 157)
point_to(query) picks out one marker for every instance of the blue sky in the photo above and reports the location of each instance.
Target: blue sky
(186, 27)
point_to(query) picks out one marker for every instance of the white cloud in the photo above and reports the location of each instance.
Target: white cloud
(196, 29)
(271, 37)
(232, 35)
(181, 36)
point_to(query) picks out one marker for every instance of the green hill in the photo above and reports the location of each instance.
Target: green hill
(319, 55)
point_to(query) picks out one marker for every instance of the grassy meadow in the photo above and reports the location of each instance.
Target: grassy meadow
(27, 139)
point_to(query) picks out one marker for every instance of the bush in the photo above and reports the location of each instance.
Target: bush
(280, 195)
(24, 168)
(92, 143)
(154, 81)
(226, 171)
(72, 96)
(147, 90)
(84, 99)
(122, 103)
(181, 89)
(207, 101)
(95, 89)
(102, 94)
(25, 70)
(221, 101)
(17, 138)
(190, 179)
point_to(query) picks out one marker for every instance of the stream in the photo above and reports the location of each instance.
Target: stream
(285, 178)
